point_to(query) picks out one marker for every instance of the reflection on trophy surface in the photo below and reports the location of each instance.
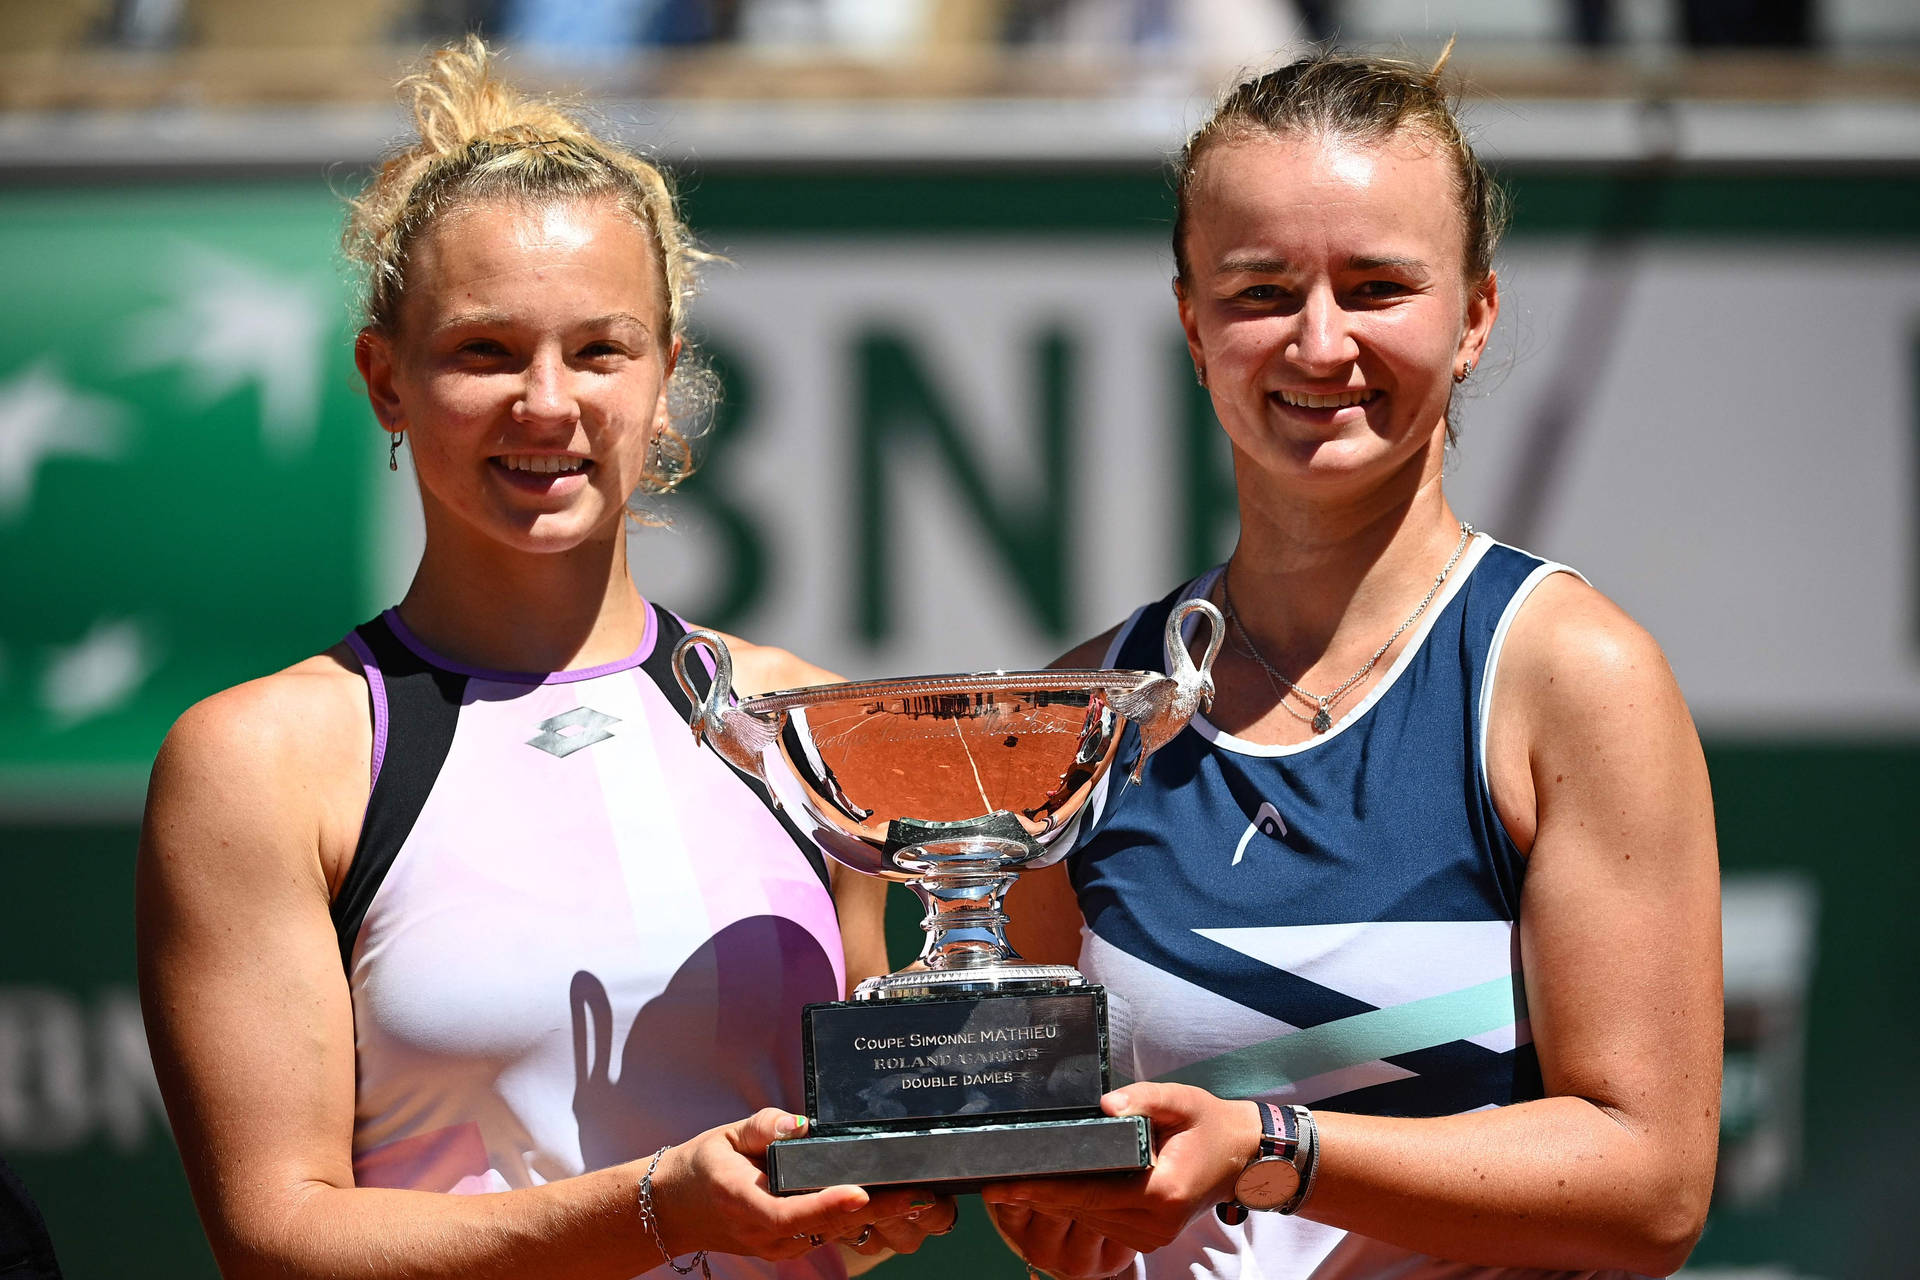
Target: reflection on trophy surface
(970, 1064)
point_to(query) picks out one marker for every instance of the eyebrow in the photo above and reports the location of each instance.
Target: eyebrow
(467, 319)
(613, 318)
(472, 319)
(1256, 266)
(1281, 266)
(1387, 262)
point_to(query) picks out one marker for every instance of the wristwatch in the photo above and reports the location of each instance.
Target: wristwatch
(1277, 1177)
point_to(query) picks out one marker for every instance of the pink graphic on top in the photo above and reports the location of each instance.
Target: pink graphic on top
(587, 956)
(761, 871)
(453, 1159)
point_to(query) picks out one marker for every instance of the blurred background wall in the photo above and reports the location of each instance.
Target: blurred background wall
(960, 432)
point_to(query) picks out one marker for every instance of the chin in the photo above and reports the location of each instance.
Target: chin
(559, 532)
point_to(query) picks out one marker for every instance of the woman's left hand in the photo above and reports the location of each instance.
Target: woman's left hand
(1202, 1144)
(1057, 1245)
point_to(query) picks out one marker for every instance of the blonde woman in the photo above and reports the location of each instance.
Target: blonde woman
(1413, 939)
(458, 905)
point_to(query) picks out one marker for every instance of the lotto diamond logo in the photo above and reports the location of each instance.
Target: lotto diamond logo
(572, 730)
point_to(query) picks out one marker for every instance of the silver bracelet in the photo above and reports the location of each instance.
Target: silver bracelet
(651, 1219)
(1309, 1157)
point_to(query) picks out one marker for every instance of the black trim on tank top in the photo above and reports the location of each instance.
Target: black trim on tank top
(423, 707)
(658, 665)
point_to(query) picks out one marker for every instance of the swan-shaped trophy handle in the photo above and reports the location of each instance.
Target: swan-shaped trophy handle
(740, 739)
(1161, 705)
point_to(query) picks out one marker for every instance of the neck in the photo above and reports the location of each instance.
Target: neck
(511, 610)
(1320, 574)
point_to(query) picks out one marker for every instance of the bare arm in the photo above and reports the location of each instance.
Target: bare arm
(1619, 931)
(251, 1026)
(1620, 935)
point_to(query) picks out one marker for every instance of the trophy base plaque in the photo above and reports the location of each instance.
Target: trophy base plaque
(961, 1160)
(957, 1090)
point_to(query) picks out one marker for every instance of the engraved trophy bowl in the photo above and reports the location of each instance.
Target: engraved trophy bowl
(969, 1065)
(951, 784)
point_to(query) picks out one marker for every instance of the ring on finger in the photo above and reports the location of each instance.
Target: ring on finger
(866, 1234)
(816, 1241)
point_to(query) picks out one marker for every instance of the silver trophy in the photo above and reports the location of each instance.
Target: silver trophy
(970, 1064)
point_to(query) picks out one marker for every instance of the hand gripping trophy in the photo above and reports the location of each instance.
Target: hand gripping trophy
(970, 1064)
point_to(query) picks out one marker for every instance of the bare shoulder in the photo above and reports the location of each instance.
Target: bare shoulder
(1586, 710)
(763, 668)
(304, 710)
(1572, 654)
(286, 754)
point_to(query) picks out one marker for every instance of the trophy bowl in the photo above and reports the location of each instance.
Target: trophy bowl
(983, 1065)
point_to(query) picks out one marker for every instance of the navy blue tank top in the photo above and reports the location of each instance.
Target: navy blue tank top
(1330, 922)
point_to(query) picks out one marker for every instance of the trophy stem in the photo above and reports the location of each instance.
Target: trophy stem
(966, 950)
(966, 927)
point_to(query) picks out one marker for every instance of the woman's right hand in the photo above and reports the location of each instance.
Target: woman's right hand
(711, 1193)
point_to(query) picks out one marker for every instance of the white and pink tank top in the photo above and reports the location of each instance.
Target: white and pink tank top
(572, 934)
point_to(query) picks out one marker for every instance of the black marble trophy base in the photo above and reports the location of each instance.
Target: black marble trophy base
(960, 1160)
(957, 1091)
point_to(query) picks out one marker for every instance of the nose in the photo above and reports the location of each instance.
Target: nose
(546, 396)
(1322, 342)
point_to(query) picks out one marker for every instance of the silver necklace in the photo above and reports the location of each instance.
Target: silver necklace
(1322, 718)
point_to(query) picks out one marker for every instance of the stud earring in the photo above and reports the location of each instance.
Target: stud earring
(393, 451)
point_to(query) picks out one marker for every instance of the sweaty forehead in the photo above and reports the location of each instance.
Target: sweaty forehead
(1293, 192)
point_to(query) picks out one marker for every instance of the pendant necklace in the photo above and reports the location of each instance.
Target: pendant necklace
(1322, 718)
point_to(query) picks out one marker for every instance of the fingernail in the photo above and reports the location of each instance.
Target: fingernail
(919, 1202)
(787, 1126)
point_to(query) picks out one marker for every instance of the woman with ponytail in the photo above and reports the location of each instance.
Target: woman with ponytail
(1411, 940)
(458, 905)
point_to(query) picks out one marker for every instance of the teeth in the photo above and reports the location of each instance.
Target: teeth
(1304, 401)
(545, 464)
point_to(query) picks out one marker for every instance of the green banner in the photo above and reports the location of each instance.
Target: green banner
(181, 445)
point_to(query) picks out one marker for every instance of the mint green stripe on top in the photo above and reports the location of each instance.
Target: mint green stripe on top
(1255, 1069)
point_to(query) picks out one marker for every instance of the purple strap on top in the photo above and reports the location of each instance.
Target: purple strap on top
(377, 694)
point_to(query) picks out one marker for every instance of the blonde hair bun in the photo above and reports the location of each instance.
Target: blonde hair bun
(479, 139)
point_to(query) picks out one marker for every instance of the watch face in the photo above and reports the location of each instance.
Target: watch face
(1266, 1184)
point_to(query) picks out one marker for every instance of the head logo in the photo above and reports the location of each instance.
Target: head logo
(1266, 822)
(568, 732)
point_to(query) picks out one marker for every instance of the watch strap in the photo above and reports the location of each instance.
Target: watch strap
(1307, 1161)
(1279, 1131)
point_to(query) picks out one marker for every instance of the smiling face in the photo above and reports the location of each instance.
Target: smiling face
(528, 369)
(1327, 303)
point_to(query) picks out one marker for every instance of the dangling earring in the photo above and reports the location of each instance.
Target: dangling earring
(393, 451)
(1200, 374)
(1466, 371)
